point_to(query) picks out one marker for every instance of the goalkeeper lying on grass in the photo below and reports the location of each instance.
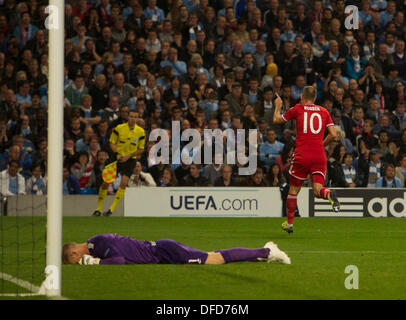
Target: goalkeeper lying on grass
(108, 248)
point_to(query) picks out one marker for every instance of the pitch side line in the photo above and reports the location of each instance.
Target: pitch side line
(19, 282)
(25, 285)
(347, 252)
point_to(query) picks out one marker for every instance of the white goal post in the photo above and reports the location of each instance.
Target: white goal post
(55, 24)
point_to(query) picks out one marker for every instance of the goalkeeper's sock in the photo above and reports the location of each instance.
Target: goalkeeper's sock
(291, 205)
(102, 196)
(119, 194)
(324, 193)
(243, 254)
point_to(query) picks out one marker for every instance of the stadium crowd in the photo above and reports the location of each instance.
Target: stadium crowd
(208, 64)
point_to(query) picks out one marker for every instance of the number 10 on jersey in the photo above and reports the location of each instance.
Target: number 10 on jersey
(311, 122)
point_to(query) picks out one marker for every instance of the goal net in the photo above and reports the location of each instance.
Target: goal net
(22, 245)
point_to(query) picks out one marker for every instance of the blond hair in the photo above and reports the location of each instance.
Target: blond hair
(309, 93)
(66, 252)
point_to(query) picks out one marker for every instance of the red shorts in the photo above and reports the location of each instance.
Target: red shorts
(302, 167)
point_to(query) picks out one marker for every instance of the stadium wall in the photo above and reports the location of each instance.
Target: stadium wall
(221, 202)
(260, 202)
(73, 205)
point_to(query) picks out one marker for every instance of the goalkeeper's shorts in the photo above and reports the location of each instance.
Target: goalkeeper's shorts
(173, 252)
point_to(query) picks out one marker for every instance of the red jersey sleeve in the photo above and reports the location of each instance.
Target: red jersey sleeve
(290, 114)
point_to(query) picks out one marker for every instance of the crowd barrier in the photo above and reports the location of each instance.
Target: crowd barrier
(207, 202)
(73, 205)
(259, 202)
(219, 202)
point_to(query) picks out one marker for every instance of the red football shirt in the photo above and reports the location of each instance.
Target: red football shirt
(311, 123)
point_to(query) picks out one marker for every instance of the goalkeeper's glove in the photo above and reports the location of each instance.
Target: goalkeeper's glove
(88, 260)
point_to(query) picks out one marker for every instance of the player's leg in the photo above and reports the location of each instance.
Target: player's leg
(101, 197)
(173, 252)
(299, 172)
(239, 254)
(125, 169)
(270, 252)
(119, 194)
(291, 203)
(322, 192)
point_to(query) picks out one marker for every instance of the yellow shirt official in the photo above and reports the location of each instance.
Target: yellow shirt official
(128, 141)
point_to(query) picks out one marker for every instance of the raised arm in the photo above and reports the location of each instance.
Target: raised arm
(277, 116)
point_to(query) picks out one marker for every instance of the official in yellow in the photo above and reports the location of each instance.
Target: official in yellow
(127, 140)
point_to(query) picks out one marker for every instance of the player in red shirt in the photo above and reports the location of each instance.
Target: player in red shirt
(309, 157)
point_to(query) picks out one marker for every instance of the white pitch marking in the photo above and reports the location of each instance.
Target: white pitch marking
(341, 199)
(347, 252)
(25, 285)
(345, 206)
(339, 214)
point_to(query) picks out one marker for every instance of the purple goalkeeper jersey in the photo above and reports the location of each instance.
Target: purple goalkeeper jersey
(115, 249)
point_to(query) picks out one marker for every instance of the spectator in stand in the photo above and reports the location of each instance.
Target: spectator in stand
(392, 156)
(11, 182)
(256, 179)
(140, 178)
(334, 167)
(212, 172)
(16, 153)
(82, 144)
(388, 179)
(383, 142)
(74, 92)
(369, 45)
(385, 124)
(99, 93)
(398, 116)
(82, 170)
(88, 115)
(401, 170)
(25, 31)
(36, 184)
(111, 113)
(331, 58)
(349, 171)
(389, 84)
(399, 95)
(168, 178)
(369, 166)
(373, 111)
(366, 139)
(275, 176)
(124, 91)
(285, 157)
(403, 141)
(70, 184)
(399, 58)
(195, 178)
(94, 148)
(355, 64)
(23, 97)
(98, 167)
(290, 63)
(226, 179)
(381, 61)
(178, 67)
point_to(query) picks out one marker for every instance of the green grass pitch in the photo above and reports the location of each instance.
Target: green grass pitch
(320, 250)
